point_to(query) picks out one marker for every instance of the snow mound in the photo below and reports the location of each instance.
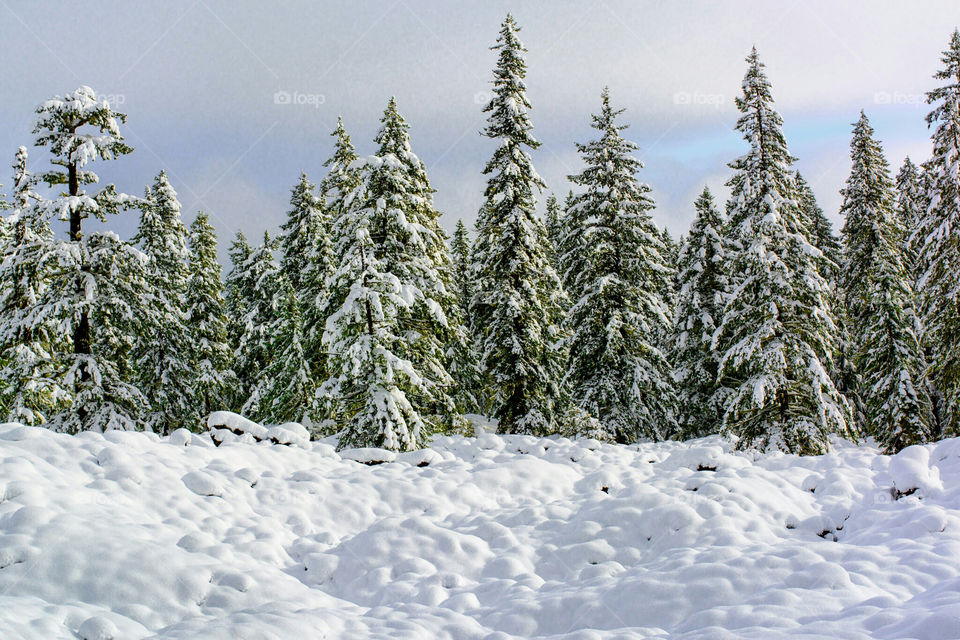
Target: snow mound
(110, 536)
(230, 427)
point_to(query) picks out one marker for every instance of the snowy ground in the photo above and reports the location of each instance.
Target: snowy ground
(128, 536)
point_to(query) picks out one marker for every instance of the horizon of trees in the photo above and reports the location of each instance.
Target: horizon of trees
(363, 318)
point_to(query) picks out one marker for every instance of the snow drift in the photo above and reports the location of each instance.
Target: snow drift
(128, 535)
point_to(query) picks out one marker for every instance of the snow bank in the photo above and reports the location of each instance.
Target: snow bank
(125, 535)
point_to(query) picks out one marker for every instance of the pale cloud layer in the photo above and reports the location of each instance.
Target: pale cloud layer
(200, 81)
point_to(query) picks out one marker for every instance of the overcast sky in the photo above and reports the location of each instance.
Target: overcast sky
(199, 80)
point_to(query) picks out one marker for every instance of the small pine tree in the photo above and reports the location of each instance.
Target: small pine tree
(879, 301)
(287, 388)
(163, 346)
(703, 285)
(237, 291)
(517, 293)
(619, 279)
(821, 231)
(554, 225)
(777, 336)
(940, 239)
(210, 354)
(96, 280)
(911, 206)
(462, 355)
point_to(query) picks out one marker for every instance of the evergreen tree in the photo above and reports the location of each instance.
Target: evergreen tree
(95, 279)
(940, 239)
(462, 284)
(388, 337)
(29, 389)
(253, 355)
(618, 271)
(287, 386)
(210, 354)
(821, 231)
(370, 381)
(911, 206)
(163, 346)
(776, 336)
(703, 285)
(304, 235)
(879, 300)
(517, 292)
(554, 224)
(463, 357)
(238, 290)
(414, 248)
(307, 264)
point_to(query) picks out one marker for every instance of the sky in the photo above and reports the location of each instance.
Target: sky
(235, 98)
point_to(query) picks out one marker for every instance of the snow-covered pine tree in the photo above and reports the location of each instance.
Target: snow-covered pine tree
(29, 389)
(554, 225)
(462, 276)
(210, 353)
(340, 181)
(408, 236)
(516, 291)
(463, 357)
(162, 353)
(618, 271)
(370, 382)
(939, 286)
(262, 303)
(96, 280)
(703, 285)
(879, 301)
(304, 235)
(287, 388)
(307, 264)
(777, 336)
(821, 231)
(911, 206)
(237, 292)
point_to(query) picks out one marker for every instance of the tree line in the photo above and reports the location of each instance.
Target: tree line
(761, 323)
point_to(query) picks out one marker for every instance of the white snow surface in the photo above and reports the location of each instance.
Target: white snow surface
(129, 535)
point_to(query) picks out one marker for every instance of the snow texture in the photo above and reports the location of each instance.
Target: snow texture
(131, 535)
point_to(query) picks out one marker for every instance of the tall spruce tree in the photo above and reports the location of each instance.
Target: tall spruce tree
(777, 336)
(703, 285)
(304, 232)
(940, 238)
(96, 280)
(163, 345)
(517, 292)
(879, 300)
(619, 276)
(210, 354)
(29, 389)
